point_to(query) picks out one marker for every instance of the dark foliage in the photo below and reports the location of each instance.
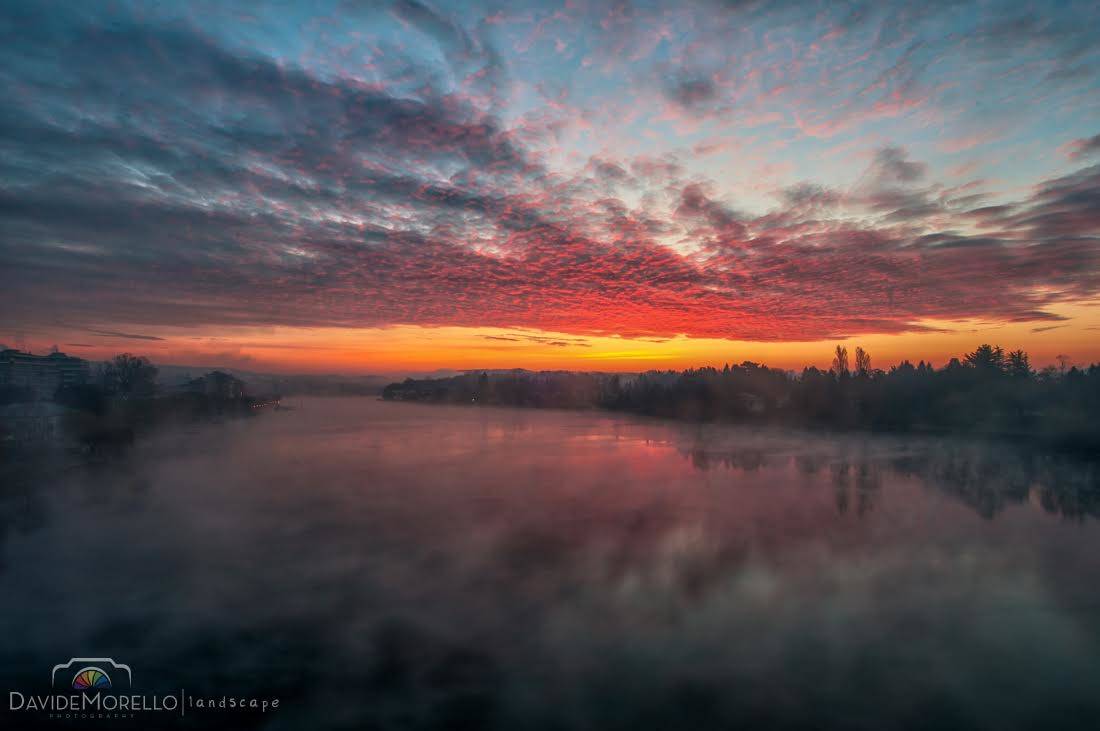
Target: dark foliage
(107, 415)
(129, 375)
(88, 397)
(987, 392)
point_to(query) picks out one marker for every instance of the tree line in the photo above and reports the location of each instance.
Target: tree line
(122, 398)
(988, 391)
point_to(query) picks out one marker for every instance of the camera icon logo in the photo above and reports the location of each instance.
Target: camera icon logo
(92, 673)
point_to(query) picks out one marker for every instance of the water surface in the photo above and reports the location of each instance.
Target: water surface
(387, 565)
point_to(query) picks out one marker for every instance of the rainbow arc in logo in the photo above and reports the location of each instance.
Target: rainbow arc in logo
(91, 679)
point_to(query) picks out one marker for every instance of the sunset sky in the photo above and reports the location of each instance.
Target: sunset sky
(365, 187)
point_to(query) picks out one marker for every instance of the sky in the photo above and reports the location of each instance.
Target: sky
(387, 187)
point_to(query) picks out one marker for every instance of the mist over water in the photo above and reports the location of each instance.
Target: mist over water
(389, 565)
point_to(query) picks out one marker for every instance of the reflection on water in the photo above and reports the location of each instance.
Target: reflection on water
(986, 477)
(387, 565)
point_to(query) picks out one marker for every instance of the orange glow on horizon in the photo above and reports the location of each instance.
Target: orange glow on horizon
(415, 349)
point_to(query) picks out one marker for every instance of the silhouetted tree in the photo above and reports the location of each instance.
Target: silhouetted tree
(840, 361)
(990, 393)
(863, 362)
(83, 397)
(1019, 365)
(987, 359)
(129, 375)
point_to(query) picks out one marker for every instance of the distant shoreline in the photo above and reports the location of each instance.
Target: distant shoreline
(987, 394)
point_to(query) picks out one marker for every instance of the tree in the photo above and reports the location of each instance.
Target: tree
(987, 358)
(840, 361)
(1019, 365)
(130, 375)
(863, 362)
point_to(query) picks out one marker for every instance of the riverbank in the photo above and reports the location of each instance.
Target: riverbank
(1044, 409)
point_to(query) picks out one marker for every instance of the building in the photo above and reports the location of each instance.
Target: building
(41, 375)
(217, 384)
(32, 423)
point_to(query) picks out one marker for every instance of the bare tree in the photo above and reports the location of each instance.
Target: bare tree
(863, 362)
(840, 361)
(130, 375)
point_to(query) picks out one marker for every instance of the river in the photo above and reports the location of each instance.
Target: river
(390, 565)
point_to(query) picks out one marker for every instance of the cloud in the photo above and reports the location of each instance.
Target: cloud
(697, 206)
(1082, 148)
(891, 165)
(471, 54)
(692, 91)
(153, 175)
(127, 336)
